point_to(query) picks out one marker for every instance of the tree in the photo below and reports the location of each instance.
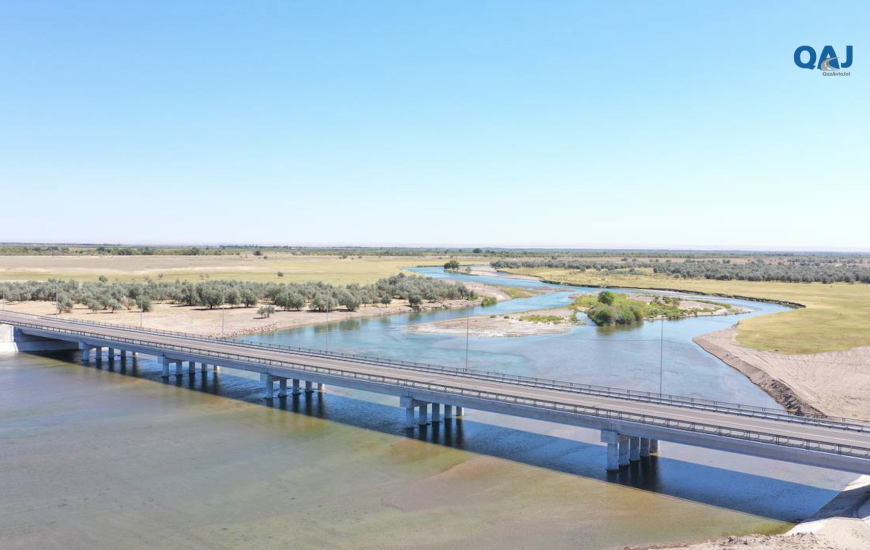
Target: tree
(349, 300)
(113, 305)
(452, 264)
(104, 279)
(210, 296)
(92, 304)
(233, 297)
(386, 299)
(64, 303)
(144, 303)
(249, 297)
(415, 300)
(266, 311)
(323, 302)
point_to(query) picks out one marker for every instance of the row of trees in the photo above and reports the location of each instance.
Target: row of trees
(793, 270)
(319, 296)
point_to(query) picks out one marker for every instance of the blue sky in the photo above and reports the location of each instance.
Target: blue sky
(653, 124)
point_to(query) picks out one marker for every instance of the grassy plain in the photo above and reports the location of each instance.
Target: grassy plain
(836, 317)
(247, 267)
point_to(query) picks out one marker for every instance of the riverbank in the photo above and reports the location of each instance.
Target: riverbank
(242, 321)
(831, 383)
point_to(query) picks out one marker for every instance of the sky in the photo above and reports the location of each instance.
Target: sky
(493, 123)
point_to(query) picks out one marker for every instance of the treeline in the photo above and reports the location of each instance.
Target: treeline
(791, 270)
(318, 296)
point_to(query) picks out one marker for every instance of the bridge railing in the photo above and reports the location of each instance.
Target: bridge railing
(573, 387)
(570, 408)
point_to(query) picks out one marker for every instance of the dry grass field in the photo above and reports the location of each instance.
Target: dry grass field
(295, 268)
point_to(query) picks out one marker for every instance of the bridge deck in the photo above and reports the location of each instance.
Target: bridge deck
(823, 445)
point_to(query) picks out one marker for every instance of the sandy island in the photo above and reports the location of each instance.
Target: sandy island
(527, 323)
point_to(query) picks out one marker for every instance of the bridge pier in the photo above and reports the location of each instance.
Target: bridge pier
(123, 356)
(296, 390)
(164, 363)
(654, 446)
(110, 352)
(321, 387)
(409, 405)
(178, 368)
(269, 381)
(308, 387)
(644, 447)
(617, 449)
(458, 412)
(191, 367)
(634, 449)
(436, 412)
(86, 351)
(282, 387)
(422, 414)
(448, 412)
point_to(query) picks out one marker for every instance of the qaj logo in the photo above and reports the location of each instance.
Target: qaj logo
(828, 61)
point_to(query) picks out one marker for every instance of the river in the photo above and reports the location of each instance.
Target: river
(115, 458)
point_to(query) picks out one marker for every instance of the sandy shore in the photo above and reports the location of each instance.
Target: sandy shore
(527, 323)
(240, 321)
(832, 383)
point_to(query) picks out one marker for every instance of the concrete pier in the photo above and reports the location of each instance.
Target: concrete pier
(422, 414)
(191, 367)
(269, 382)
(616, 445)
(458, 412)
(644, 447)
(178, 368)
(623, 451)
(308, 387)
(296, 390)
(203, 367)
(634, 449)
(653, 446)
(164, 363)
(436, 412)
(282, 387)
(448, 412)
(408, 404)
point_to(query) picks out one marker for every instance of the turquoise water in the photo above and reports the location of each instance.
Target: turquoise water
(633, 357)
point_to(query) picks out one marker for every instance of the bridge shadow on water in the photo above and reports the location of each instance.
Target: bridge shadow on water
(760, 495)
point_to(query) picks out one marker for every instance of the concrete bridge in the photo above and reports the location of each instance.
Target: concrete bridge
(631, 423)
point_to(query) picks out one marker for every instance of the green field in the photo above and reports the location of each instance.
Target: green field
(836, 316)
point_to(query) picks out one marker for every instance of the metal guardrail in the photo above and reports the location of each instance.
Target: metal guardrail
(545, 383)
(582, 410)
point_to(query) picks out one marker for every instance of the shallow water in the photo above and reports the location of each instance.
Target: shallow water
(98, 458)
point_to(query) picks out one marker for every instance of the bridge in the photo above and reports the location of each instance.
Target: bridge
(631, 423)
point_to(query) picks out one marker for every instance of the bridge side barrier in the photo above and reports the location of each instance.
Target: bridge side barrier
(581, 410)
(574, 387)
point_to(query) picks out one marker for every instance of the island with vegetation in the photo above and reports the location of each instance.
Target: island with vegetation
(614, 308)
